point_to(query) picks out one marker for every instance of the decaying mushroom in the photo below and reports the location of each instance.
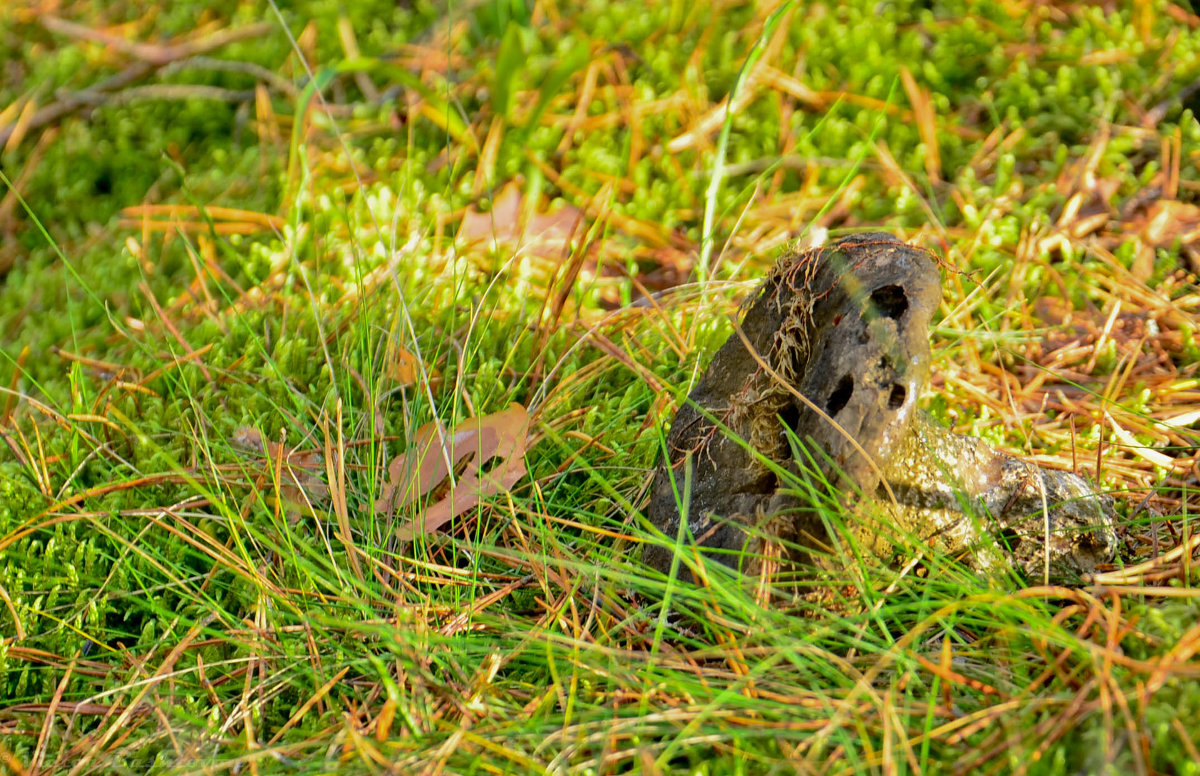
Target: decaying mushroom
(834, 348)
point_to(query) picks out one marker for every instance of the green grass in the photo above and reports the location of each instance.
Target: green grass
(174, 601)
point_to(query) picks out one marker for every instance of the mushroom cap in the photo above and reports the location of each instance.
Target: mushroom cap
(840, 341)
(868, 355)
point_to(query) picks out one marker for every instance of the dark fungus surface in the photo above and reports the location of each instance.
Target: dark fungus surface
(833, 353)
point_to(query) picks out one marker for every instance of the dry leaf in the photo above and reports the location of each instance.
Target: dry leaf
(401, 366)
(422, 469)
(300, 485)
(542, 232)
(405, 368)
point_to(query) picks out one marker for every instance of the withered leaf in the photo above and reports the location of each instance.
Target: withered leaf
(424, 467)
(405, 368)
(300, 483)
(505, 223)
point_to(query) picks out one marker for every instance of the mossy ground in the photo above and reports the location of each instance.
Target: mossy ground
(172, 604)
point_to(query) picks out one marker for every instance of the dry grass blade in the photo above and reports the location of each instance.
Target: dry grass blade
(1169, 564)
(335, 472)
(424, 468)
(221, 220)
(924, 113)
(43, 741)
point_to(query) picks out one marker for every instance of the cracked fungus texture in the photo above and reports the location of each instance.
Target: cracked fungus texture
(833, 351)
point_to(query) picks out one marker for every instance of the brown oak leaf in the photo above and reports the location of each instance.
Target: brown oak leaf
(425, 467)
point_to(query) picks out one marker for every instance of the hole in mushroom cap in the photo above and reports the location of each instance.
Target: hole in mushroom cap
(840, 396)
(896, 397)
(1010, 538)
(790, 415)
(890, 301)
